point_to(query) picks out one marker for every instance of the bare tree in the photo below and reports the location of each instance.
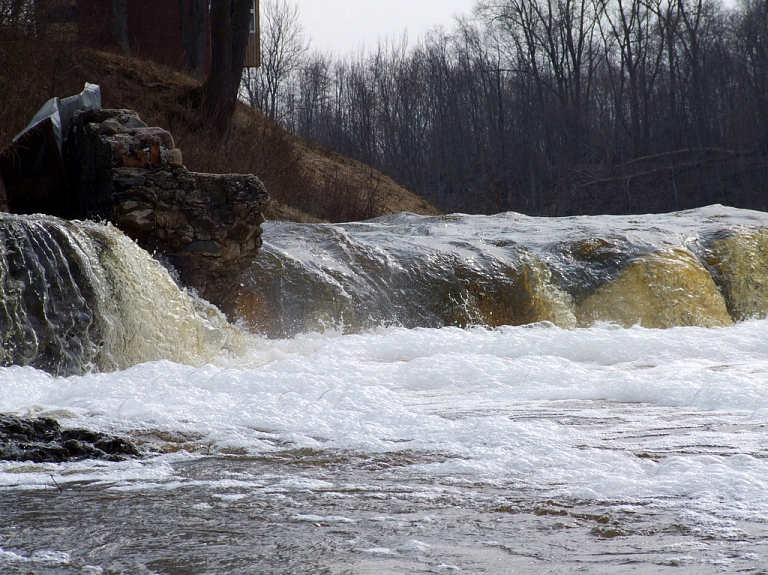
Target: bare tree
(556, 107)
(19, 15)
(313, 91)
(120, 25)
(752, 38)
(631, 26)
(283, 49)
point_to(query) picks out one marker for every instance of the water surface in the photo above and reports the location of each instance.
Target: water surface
(512, 450)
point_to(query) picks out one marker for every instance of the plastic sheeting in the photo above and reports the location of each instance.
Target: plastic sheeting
(60, 111)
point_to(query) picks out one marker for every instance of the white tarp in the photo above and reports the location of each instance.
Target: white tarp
(61, 111)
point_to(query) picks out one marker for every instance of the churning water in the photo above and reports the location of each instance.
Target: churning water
(416, 433)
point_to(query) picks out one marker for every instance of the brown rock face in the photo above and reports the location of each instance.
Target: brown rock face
(182, 213)
(208, 225)
(120, 170)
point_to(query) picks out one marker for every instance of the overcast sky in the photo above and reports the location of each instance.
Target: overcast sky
(343, 26)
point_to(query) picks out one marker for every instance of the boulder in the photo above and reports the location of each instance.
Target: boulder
(43, 440)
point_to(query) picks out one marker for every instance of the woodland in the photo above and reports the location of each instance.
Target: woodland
(546, 107)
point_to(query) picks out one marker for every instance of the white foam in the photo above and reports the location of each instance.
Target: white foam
(44, 556)
(379, 551)
(413, 546)
(573, 413)
(322, 519)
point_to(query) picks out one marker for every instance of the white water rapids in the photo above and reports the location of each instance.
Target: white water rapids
(324, 429)
(603, 413)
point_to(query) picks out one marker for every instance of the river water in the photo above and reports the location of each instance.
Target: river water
(398, 448)
(514, 450)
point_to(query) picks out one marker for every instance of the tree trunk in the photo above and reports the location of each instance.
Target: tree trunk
(229, 37)
(120, 25)
(193, 31)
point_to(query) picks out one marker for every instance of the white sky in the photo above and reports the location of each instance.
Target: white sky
(343, 26)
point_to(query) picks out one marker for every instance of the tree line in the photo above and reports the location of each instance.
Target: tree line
(549, 107)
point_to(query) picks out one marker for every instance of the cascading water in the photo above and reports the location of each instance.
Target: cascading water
(399, 418)
(78, 296)
(685, 269)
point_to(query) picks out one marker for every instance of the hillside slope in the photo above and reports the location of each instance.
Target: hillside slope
(327, 168)
(306, 181)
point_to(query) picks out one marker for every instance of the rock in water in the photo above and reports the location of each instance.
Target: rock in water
(740, 264)
(207, 225)
(43, 440)
(658, 290)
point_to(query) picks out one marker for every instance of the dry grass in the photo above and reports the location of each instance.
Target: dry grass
(375, 193)
(307, 182)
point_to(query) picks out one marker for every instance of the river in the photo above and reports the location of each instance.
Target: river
(352, 439)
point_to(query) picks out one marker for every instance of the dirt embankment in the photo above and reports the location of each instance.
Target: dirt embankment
(306, 181)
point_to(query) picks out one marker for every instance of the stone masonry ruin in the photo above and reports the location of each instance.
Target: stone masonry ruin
(112, 167)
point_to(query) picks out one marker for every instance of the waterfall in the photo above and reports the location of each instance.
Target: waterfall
(80, 296)
(706, 267)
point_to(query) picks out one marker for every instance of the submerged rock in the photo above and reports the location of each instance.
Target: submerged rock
(515, 293)
(658, 290)
(43, 440)
(740, 263)
(704, 267)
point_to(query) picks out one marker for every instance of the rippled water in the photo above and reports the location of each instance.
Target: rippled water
(332, 513)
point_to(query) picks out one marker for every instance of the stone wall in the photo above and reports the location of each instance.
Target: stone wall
(117, 169)
(207, 225)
